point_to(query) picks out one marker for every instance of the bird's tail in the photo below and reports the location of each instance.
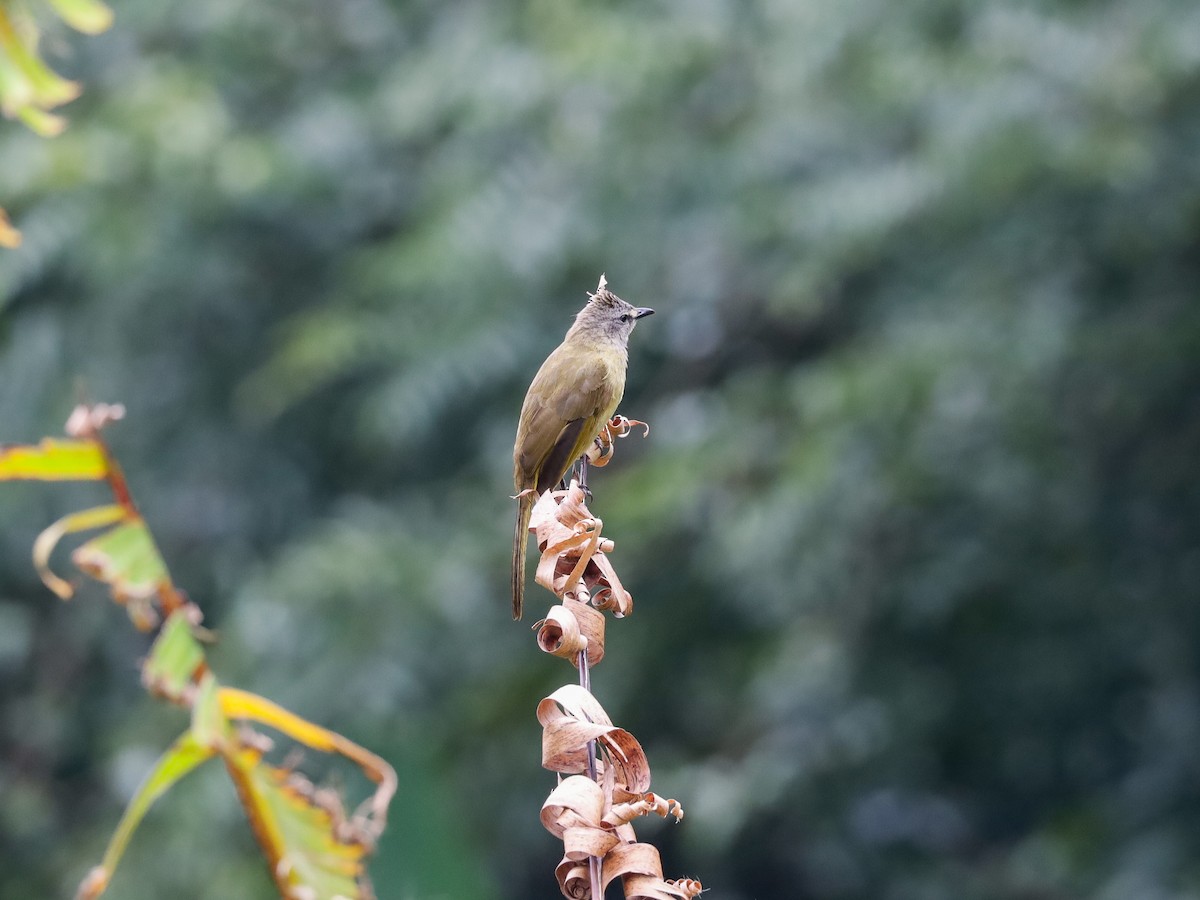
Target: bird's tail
(520, 542)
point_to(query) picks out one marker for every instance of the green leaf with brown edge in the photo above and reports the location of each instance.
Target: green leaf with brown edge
(297, 831)
(126, 559)
(175, 664)
(184, 755)
(53, 460)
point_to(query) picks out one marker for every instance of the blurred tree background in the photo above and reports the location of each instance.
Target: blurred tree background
(915, 539)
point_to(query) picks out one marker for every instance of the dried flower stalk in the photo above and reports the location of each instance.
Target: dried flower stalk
(604, 775)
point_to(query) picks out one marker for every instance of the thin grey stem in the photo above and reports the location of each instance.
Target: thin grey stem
(585, 682)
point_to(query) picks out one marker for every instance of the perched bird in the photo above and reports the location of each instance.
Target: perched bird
(573, 395)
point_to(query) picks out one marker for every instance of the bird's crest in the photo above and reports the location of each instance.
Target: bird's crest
(602, 296)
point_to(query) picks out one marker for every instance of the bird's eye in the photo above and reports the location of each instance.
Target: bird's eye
(624, 317)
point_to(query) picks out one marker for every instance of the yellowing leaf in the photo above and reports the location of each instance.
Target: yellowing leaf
(314, 849)
(53, 460)
(297, 832)
(18, 41)
(29, 89)
(49, 538)
(238, 704)
(88, 16)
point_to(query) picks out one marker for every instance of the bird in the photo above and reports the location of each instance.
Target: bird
(571, 398)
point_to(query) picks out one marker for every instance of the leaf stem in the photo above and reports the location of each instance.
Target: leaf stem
(169, 596)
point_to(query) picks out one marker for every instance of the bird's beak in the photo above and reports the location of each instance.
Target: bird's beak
(640, 311)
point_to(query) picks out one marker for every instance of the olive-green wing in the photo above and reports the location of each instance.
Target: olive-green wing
(566, 398)
(561, 457)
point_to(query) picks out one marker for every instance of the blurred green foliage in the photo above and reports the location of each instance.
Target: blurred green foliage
(915, 538)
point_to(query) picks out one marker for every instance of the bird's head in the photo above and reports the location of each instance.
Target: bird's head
(607, 317)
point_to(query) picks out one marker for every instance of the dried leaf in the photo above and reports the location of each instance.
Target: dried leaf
(576, 801)
(572, 701)
(602, 449)
(640, 869)
(637, 865)
(574, 560)
(574, 879)
(573, 813)
(569, 537)
(571, 717)
(570, 627)
(592, 814)
(53, 460)
(641, 805)
(624, 752)
(564, 744)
